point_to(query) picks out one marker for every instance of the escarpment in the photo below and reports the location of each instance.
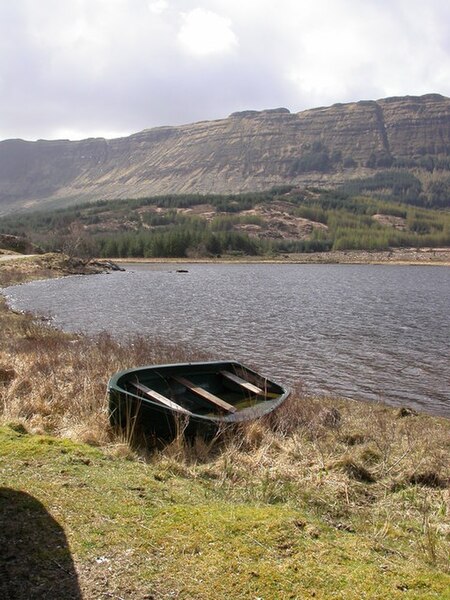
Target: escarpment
(249, 150)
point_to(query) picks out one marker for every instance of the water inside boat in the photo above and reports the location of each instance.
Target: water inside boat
(204, 394)
(209, 394)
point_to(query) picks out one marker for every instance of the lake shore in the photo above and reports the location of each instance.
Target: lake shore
(59, 264)
(331, 498)
(396, 256)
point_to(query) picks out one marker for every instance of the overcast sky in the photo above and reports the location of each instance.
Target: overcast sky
(82, 68)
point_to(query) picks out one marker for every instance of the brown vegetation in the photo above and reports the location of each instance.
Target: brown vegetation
(17, 268)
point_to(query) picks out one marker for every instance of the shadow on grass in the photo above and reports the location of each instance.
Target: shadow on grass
(35, 560)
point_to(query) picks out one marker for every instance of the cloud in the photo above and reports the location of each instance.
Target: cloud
(78, 68)
(157, 6)
(204, 32)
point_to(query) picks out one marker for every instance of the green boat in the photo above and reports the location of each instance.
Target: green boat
(201, 397)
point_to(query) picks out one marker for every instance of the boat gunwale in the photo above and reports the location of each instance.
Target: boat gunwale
(258, 411)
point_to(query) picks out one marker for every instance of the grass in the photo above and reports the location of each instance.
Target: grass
(326, 499)
(258, 527)
(207, 529)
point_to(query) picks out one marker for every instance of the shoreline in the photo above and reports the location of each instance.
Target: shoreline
(37, 267)
(68, 266)
(364, 485)
(399, 256)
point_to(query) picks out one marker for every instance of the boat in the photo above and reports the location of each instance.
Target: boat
(201, 398)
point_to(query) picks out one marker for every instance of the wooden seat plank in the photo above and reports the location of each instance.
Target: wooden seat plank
(243, 383)
(154, 395)
(199, 391)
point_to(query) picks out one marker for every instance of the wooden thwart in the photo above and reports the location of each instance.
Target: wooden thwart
(206, 395)
(243, 383)
(157, 397)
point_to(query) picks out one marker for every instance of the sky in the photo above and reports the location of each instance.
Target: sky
(86, 68)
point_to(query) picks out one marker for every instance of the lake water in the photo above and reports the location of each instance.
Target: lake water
(367, 332)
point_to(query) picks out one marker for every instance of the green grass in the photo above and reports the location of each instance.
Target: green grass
(162, 529)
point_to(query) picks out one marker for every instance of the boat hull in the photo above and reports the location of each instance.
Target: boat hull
(191, 398)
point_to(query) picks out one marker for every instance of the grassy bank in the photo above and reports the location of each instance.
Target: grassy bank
(328, 499)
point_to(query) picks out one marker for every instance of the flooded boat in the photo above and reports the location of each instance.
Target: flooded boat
(203, 396)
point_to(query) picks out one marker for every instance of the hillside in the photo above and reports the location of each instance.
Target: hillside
(276, 222)
(247, 151)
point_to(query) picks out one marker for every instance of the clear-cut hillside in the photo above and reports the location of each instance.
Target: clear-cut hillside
(249, 150)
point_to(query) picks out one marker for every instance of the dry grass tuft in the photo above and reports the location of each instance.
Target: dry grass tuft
(354, 469)
(18, 427)
(253, 435)
(297, 411)
(121, 450)
(429, 479)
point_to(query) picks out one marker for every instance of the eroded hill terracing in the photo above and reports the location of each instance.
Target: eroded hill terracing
(250, 150)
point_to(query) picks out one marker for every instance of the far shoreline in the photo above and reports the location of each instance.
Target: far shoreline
(397, 256)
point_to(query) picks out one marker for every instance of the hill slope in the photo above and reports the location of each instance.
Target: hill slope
(259, 223)
(249, 150)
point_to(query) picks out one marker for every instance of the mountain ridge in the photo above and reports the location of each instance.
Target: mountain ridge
(247, 151)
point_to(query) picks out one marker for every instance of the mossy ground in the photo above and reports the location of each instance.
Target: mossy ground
(154, 530)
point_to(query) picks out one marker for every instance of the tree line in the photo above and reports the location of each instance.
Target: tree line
(161, 227)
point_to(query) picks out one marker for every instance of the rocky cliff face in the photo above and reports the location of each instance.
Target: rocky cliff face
(250, 150)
